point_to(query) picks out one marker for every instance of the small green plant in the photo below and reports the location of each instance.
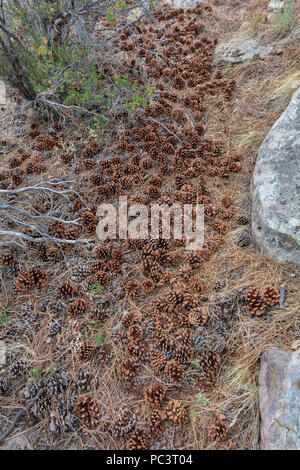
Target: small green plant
(283, 20)
(35, 373)
(202, 400)
(195, 363)
(4, 318)
(94, 324)
(52, 368)
(100, 338)
(95, 288)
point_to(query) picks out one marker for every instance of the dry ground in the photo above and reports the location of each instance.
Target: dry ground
(241, 123)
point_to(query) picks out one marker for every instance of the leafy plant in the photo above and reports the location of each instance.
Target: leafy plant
(4, 318)
(95, 288)
(35, 373)
(100, 338)
(283, 20)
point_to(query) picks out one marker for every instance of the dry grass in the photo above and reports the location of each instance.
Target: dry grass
(242, 123)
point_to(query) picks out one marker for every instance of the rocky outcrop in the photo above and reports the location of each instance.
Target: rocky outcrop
(279, 400)
(276, 188)
(240, 49)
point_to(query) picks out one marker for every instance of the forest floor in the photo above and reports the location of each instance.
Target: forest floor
(144, 344)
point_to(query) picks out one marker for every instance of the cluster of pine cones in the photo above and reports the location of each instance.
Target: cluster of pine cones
(258, 302)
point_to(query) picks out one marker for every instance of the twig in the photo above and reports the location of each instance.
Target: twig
(19, 415)
(282, 296)
(168, 130)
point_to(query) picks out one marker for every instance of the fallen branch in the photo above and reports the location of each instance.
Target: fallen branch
(19, 415)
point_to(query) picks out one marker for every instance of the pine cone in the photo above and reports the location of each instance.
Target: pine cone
(39, 277)
(255, 302)
(7, 259)
(132, 318)
(67, 289)
(78, 307)
(101, 277)
(164, 323)
(137, 350)
(86, 351)
(87, 410)
(88, 220)
(155, 423)
(132, 288)
(157, 360)
(218, 430)
(176, 412)
(270, 295)
(124, 423)
(197, 285)
(209, 361)
(128, 369)
(198, 316)
(138, 440)
(101, 251)
(183, 353)
(174, 371)
(147, 286)
(135, 332)
(155, 393)
(24, 281)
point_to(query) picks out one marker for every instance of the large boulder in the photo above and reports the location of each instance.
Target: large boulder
(279, 400)
(240, 49)
(276, 188)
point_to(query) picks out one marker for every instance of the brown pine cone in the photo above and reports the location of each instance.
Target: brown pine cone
(67, 289)
(24, 281)
(155, 393)
(86, 351)
(7, 259)
(138, 440)
(255, 302)
(157, 360)
(101, 277)
(39, 277)
(270, 295)
(101, 251)
(128, 369)
(164, 323)
(132, 318)
(132, 288)
(117, 254)
(209, 361)
(155, 423)
(183, 353)
(174, 371)
(177, 413)
(147, 286)
(135, 332)
(87, 410)
(78, 307)
(136, 350)
(218, 430)
(197, 285)
(88, 220)
(198, 316)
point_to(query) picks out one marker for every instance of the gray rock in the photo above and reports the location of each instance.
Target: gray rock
(276, 188)
(275, 5)
(184, 3)
(240, 49)
(279, 400)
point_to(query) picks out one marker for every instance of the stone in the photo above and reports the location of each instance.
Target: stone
(276, 188)
(279, 400)
(183, 3)
(239, 50)
(275, 5)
